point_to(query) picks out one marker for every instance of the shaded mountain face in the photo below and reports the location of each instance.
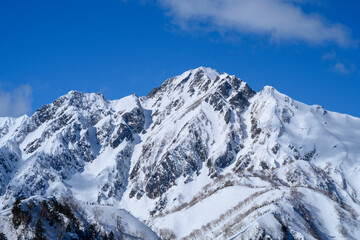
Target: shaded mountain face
(203, 156)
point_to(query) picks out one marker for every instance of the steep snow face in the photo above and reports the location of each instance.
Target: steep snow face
(196, 121)
(203, 155)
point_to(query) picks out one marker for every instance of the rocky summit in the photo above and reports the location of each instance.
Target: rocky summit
(203, 156)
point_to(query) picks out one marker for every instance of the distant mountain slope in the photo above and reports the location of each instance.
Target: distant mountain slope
(203, 156)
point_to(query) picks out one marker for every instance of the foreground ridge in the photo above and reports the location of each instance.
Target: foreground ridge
(203, 156)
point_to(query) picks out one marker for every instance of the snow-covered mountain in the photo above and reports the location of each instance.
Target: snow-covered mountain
(203, 156)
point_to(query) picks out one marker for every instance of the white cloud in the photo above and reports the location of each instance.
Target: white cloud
(279, 19)
(17, 102)
(341, 68)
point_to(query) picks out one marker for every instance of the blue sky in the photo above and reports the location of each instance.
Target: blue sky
(307, 49)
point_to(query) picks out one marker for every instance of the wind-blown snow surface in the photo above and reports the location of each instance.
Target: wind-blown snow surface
(202, 155)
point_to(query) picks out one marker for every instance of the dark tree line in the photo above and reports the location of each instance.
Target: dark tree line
(53, 213)
(2, 236)
(20, 216)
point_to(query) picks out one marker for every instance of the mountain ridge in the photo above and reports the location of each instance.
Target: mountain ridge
(199, 139)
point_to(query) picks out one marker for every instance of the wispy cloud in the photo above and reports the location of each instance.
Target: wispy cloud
(16, 102)
(329, 55)
(343, 69)
(281, 20)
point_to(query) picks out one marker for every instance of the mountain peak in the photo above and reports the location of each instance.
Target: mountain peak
(73, 94)
(80, 100)
(211, 73)
(198, 80)
(195, 74)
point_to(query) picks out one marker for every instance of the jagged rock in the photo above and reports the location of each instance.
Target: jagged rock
(122, 133)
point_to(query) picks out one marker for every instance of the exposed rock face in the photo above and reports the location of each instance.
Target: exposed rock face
(135, 119)
(186, 143)
(8, 161)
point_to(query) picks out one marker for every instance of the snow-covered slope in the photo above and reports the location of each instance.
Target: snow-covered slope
(203, 156)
